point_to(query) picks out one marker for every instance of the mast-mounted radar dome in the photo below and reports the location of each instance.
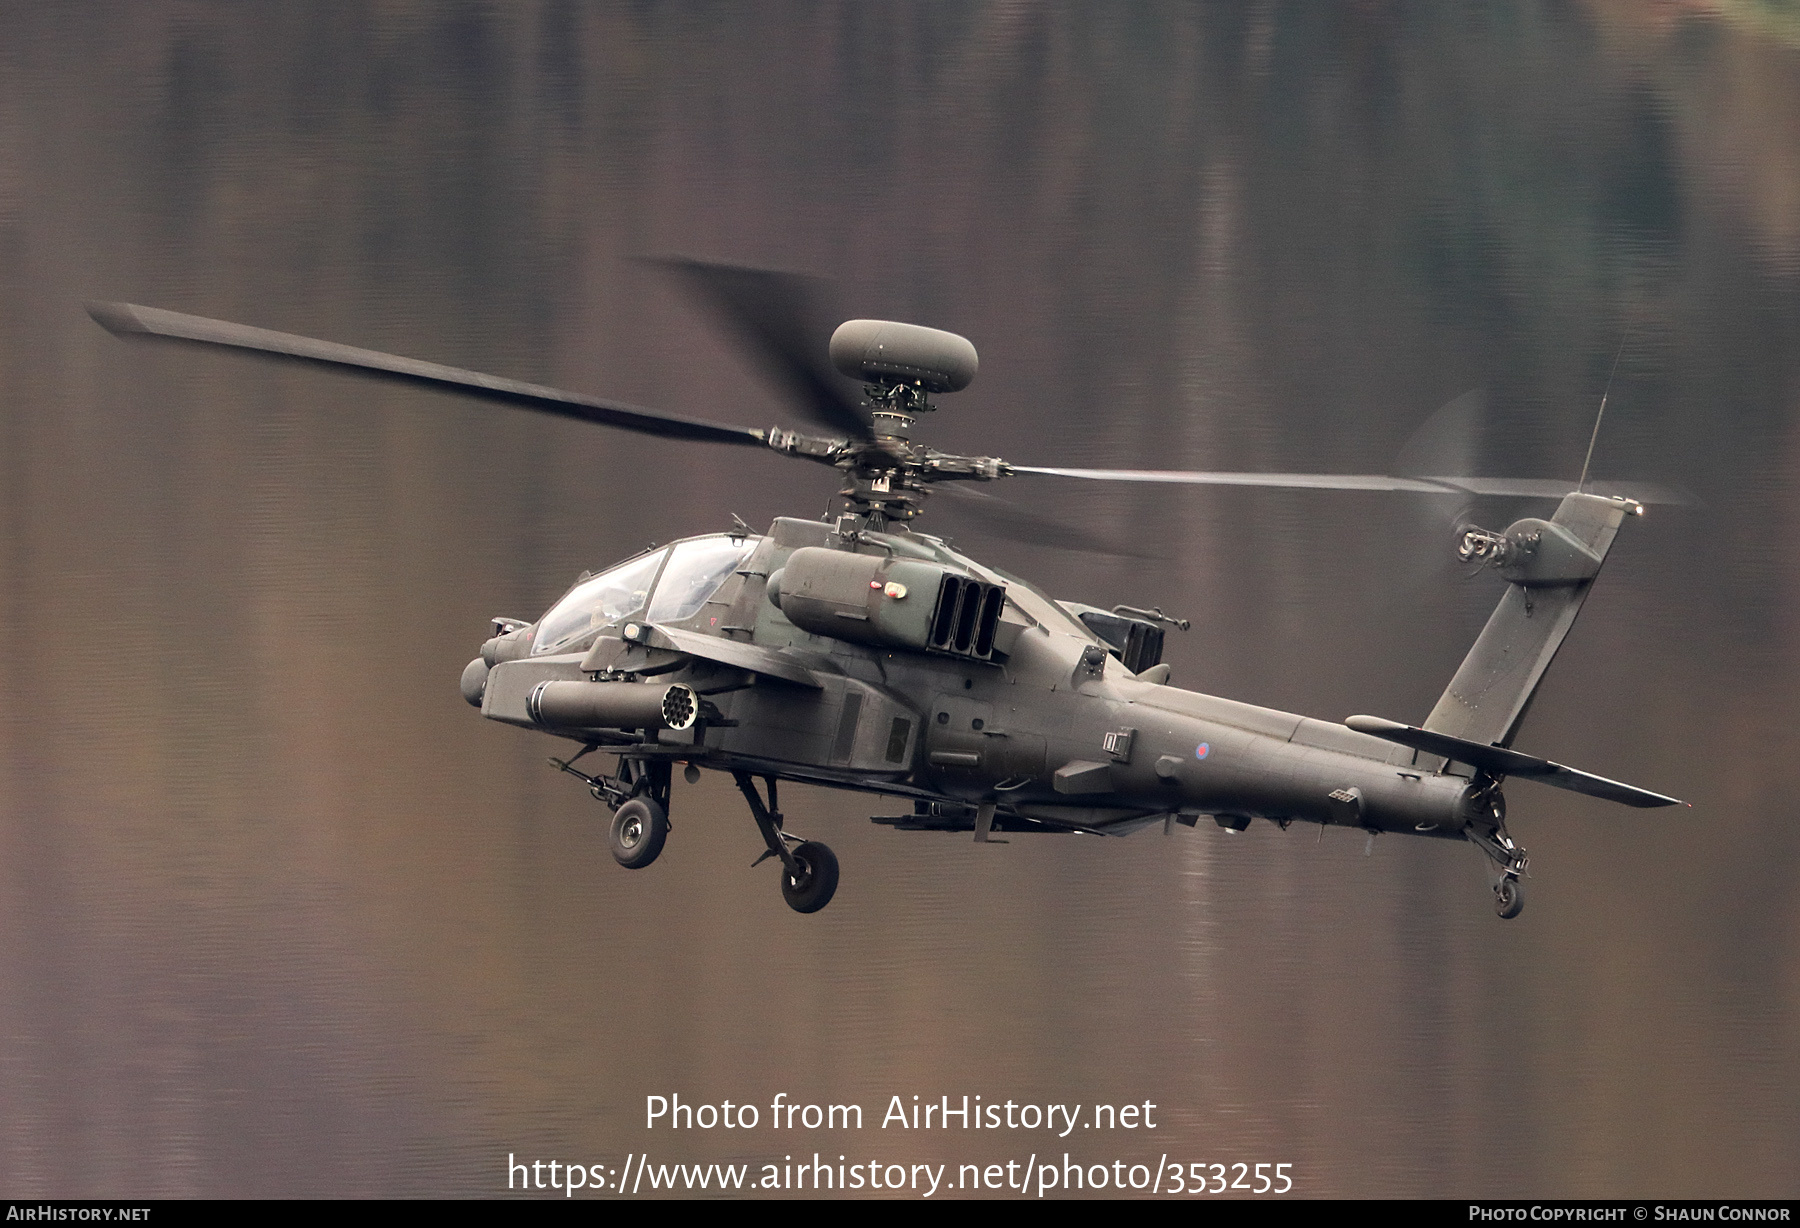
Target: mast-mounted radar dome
(887, 352)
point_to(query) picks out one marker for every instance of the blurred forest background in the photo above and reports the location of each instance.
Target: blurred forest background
(280, 915)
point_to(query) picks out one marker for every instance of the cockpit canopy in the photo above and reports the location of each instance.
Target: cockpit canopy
(664, 586)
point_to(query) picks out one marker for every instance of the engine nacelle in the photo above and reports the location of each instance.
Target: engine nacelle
(888, 602)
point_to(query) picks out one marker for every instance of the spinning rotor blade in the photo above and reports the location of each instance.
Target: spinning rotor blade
(1006, 519)
(129, 320)
(1535, 488)
(771, 316)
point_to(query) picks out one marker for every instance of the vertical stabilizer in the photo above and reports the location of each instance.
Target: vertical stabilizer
(1550, 566)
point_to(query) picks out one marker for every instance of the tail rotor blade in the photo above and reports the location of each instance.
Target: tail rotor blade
(1449, 440)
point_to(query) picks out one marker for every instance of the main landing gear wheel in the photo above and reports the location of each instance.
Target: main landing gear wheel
(639, 827)
(817, 881)
(1509, 898)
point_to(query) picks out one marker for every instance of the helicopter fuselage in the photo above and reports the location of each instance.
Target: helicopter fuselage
(864, 655)
(1049, 732)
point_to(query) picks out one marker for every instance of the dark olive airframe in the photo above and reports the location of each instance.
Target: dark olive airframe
(862, 653)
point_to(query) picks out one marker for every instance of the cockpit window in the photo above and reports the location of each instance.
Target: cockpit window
(696, 570)
(573, 623)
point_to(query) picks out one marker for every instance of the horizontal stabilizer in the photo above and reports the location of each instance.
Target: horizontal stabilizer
(1502, 762)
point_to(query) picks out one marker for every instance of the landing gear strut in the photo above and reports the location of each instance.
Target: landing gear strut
(809, 875)
(1507, 862)
(639, 798)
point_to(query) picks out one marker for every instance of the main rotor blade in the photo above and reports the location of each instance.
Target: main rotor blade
(772, 317)
(1448, 441)
(1006, 519)
(130, 320)
(1535, 488)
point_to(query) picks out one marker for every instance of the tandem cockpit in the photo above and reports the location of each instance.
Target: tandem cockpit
(674, 584)
(683, 577)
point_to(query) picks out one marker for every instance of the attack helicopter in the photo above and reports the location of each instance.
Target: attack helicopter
(863, 653)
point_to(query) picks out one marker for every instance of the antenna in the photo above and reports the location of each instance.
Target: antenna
(1589, 458)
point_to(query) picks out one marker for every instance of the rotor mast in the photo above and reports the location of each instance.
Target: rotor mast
(882, 481)
(887, 476)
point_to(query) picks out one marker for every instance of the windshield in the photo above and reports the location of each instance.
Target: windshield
(574, 622)
(696, 570)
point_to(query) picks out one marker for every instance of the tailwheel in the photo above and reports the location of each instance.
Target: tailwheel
(1509, 898)
(1506, 861)
(812, 882)
(639, 827)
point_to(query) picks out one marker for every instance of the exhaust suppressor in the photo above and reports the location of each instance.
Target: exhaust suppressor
(612, 705)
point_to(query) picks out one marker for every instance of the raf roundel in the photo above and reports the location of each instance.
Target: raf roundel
(1202, 751)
